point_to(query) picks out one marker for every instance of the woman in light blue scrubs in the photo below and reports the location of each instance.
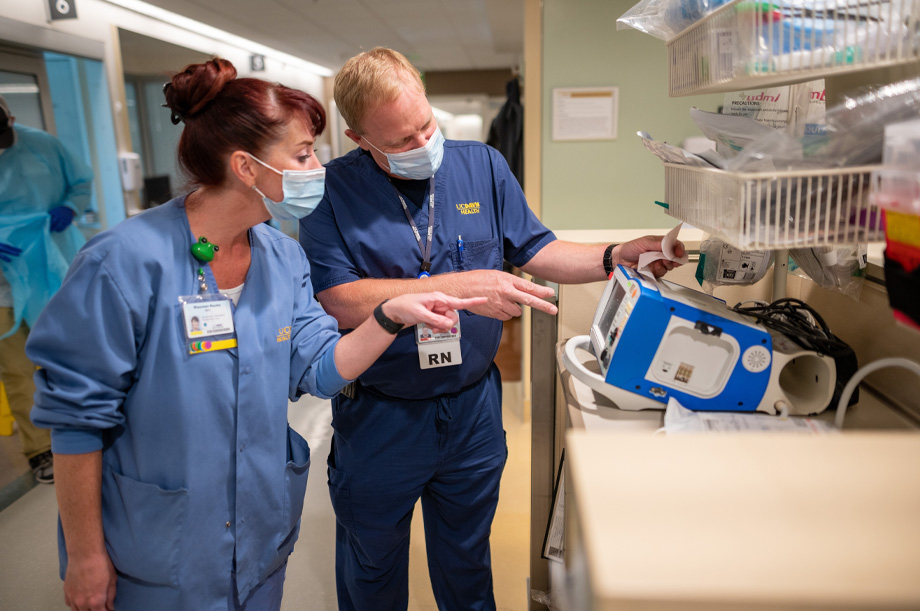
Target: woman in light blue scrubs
(180, 484)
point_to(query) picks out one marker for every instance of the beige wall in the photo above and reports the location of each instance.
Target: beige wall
(533, 182)
(610, 184)
(464, 82)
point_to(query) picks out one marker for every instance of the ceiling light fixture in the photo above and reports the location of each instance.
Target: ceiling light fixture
(204, 29)
(441, 115)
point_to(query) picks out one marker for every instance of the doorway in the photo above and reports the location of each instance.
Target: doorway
(148, 64)
(66, 96)
(24, 85)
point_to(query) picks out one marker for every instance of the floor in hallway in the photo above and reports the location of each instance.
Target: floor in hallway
(28, 561)
(15, 474)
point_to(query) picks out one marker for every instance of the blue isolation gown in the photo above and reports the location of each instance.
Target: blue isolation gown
(37, 174)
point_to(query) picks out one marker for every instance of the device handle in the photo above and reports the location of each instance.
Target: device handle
(577, 368)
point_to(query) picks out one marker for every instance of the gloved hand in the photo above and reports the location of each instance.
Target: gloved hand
(7, 251)
(61, 218)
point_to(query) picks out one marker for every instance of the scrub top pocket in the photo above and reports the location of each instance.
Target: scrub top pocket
(295, 476)
(146, 524)
(478, 254)
(295, 488)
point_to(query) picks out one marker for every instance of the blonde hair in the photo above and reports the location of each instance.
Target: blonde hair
(370, 79)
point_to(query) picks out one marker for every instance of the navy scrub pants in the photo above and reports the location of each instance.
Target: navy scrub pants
(386, 453)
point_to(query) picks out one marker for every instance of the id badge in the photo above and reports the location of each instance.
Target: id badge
(438, 349)
(208, 321)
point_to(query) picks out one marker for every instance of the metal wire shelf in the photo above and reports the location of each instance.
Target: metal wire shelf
(792, 209)
(746, 44)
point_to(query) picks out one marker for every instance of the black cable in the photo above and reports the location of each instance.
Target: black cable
(787, 316)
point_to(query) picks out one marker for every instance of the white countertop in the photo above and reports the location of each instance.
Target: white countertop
(740, 521)
(747, 521)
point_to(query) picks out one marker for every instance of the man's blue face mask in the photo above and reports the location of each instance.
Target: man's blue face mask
(417, 164)
(303, 190)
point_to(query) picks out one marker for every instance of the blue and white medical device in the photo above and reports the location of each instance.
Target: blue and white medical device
(655, 339)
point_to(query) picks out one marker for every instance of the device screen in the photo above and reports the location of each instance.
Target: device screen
(610, 311)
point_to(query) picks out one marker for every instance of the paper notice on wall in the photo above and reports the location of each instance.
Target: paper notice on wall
(585, 113)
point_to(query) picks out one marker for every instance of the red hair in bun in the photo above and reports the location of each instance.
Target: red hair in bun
(223, 114)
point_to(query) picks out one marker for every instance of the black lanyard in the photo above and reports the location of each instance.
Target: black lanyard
(425, 267)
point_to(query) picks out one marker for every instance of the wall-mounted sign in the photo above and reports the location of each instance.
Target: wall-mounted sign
(257, 63)
(585, 113)
(62, 9)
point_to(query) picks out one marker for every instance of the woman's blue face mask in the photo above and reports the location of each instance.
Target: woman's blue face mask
(417, 164)
(303, 190)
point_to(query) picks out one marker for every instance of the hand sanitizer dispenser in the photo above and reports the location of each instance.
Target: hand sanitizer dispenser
(132, 178)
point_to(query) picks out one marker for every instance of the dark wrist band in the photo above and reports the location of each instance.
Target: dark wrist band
(608, 259)
(390, 326)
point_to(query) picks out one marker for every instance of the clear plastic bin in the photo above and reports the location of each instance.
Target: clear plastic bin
(896, 184)
(747, 44)
(757, 211)
(897, 190)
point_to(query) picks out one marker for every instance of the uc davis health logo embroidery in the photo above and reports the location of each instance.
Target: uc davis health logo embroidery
(284, 334)
(470, 208)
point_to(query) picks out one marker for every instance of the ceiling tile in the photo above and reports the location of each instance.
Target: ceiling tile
(434, 34)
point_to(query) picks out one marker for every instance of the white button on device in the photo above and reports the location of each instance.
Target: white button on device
(756, 359)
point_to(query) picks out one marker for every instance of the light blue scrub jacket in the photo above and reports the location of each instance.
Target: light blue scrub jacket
(201, 473)
(37, 174)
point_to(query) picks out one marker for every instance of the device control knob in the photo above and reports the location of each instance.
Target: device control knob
(756, 359)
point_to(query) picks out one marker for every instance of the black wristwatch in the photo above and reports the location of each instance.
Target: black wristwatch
(390, 326)
(608, 259)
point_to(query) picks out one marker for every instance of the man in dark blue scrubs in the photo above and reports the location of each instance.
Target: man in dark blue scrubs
(409, 212)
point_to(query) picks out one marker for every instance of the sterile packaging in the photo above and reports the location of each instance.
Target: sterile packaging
(810, 111)
(722, 264)
(665, 19)
(856, 127)
(732, 134)
(771, 106)
(672, 154)
(854, 133)
(839, 268)
(797, 110)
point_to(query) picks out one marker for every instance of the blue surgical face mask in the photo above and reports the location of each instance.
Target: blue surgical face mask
(303, 190)
(417, 164)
